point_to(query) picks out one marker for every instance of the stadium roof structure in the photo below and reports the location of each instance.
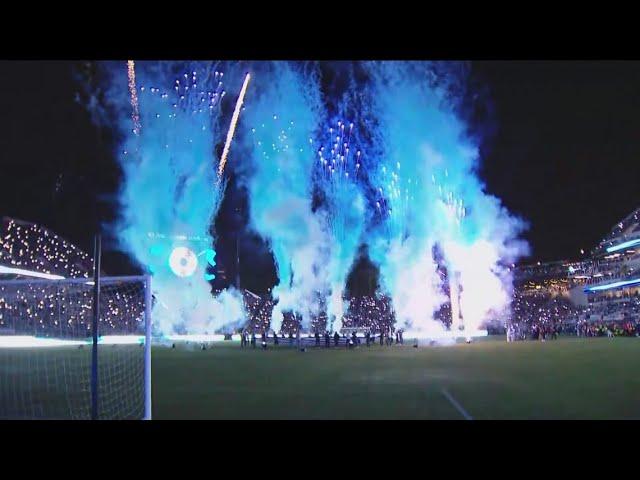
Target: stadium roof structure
(30, 250)
(624, 234)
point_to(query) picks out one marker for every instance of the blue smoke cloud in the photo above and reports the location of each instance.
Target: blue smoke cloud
(429, 194)
(403, 180)
(281, 117)
(170, 192)
(338, 164)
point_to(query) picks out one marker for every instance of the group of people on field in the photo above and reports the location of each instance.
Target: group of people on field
(248, 339)
(625, 329)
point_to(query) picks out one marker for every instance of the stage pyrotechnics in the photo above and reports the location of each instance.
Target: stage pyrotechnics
(378, 166)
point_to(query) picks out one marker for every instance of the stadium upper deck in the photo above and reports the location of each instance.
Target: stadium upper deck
(624, 235)
(604, 287)
(27, 249)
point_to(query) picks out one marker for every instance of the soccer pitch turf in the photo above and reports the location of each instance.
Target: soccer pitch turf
(568, 378)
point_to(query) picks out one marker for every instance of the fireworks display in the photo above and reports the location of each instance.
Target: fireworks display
(430, 197)
(439, 241)
(170, 193)
(232, 127)
(133, 93)
(280, 122)
(338, 165)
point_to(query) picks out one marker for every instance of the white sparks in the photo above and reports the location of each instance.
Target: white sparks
(232, 126)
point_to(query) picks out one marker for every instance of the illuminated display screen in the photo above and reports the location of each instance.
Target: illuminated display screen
(183, 261)
(184, 256)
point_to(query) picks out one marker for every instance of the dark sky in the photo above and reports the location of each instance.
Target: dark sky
(563, 153)
(46, 138)
(566, 153)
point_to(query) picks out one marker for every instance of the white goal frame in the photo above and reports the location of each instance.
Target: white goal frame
(145, 280)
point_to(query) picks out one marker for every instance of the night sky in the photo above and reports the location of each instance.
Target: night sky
(561, 148)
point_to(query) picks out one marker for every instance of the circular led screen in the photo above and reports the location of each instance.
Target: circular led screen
(183, 261)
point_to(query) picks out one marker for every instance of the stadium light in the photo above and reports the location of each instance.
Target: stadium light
(29, 273)
(609, 286)
(30, 341)
(25, 341)
(624, 245)
(446, 334)
(204, 338)
(121, 340)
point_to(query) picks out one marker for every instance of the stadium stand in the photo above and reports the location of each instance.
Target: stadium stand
(27, 249)
(599, 295)
(30, 251)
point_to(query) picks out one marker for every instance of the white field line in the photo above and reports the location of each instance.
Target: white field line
(457, 406)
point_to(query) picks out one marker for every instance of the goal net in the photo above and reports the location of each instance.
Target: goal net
(46, 342)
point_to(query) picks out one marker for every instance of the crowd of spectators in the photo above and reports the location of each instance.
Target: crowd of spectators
(540, 315)
(65, 310)
(625, 307)
(372, 313)
(608, 329)
(28, 246)
(365, 313)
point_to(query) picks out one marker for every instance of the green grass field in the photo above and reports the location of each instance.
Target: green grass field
(568, 378)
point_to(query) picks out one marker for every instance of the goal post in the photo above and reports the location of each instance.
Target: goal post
(148, 299)
(46, 348)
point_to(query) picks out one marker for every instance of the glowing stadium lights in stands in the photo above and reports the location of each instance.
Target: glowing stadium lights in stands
(32, 248)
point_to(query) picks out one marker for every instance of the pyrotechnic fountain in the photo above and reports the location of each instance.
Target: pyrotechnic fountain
(343, 205)
(280, 123)
(310, 198)
(170, 193)
(430, 194)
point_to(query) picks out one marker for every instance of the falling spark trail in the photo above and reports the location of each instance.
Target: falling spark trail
(135, 116)
(232, 126)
